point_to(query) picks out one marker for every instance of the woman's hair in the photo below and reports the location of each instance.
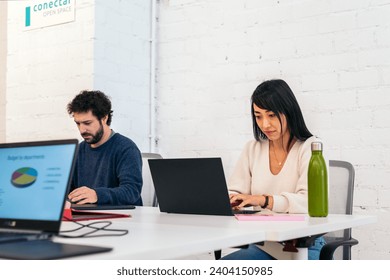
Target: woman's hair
(277, 96)
(95, 101)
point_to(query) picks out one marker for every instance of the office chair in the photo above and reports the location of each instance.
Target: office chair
(148, 193)
(341, 186)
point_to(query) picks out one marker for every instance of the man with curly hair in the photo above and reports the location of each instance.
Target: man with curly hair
(109, 165)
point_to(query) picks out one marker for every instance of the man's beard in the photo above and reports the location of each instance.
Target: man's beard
(95, 138)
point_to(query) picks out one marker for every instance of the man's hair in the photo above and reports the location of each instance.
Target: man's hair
(95, 101)
(277, 96)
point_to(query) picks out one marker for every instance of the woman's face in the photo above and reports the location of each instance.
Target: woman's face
(269, 123)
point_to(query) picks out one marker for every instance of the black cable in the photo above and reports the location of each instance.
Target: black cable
(94, 229)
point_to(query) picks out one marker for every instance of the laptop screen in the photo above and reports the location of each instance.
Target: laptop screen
(34, 179)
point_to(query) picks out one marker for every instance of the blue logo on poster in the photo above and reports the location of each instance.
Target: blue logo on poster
(28, 16)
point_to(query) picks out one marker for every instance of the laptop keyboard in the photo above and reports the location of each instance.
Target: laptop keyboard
(6, 236)
(245, 211)
(12, 236)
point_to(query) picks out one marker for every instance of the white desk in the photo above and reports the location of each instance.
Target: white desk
(155, 235)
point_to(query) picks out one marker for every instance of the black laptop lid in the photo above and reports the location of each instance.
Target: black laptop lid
(191, 186)
(34, 181)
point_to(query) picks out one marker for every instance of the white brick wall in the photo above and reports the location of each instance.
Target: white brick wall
(46, 68)
(334, 54)
(3, 67)
(106, 48)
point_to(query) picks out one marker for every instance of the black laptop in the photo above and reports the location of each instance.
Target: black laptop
(34, 182)
(192, 186)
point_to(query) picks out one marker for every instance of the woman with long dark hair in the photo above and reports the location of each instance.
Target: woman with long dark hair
(271, 172)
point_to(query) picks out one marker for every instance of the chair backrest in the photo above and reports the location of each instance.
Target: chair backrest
(341, 186)
(148, 193)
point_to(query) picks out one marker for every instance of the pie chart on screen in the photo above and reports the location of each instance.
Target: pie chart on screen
(24, 177)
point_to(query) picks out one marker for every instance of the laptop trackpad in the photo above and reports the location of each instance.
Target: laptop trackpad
(46, 250)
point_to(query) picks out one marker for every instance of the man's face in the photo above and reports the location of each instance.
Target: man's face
(91, 129)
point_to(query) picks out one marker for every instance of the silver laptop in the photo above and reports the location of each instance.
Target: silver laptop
(34, 182)
(192, 186)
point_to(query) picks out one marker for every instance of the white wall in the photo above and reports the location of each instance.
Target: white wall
(3, 67)
(46, 68)
(334, 54)
(106, 48)
(122, 64)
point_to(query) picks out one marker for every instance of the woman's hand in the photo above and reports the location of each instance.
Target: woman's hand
(243, 200)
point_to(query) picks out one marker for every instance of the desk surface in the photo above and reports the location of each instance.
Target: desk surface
(155, 235)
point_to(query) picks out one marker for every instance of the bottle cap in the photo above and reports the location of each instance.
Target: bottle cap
(316, 146)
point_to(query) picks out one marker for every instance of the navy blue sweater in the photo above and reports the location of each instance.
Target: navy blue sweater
(113, 170)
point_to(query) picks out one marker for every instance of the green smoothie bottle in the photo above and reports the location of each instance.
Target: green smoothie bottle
(317, 182)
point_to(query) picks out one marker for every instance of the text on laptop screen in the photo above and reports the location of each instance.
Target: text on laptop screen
(33, 181)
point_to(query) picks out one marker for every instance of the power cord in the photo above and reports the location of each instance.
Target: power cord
(94, 228)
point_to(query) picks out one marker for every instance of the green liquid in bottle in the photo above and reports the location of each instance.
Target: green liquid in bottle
(317, 180)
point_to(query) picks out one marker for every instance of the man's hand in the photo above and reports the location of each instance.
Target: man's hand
(83, 195)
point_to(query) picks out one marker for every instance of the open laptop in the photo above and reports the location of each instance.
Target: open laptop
(34, 182)
(192, 186)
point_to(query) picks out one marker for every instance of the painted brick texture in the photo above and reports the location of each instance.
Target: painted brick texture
(335, 56)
